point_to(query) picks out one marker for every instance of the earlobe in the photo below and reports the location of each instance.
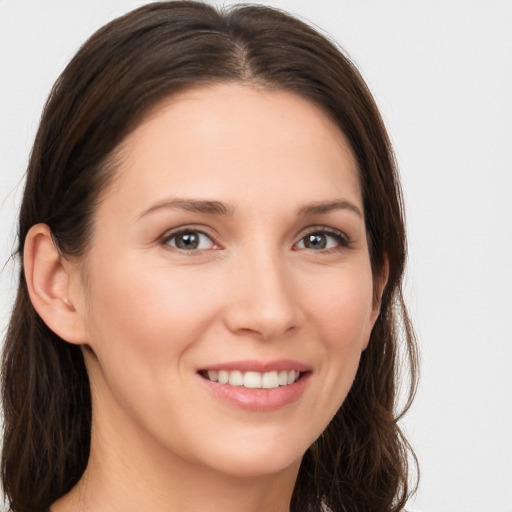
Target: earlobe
(48, 278)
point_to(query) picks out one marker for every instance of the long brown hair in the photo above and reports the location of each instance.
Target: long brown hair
(360, 463)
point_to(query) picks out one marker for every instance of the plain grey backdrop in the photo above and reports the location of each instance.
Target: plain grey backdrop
(441, 72)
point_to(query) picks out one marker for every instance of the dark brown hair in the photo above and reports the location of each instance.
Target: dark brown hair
(123, 71)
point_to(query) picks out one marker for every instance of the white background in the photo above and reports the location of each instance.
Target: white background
(441, 71)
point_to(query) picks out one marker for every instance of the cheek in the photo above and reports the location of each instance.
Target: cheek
(144, 327)
(340, 305)
(341, 313)
(148, 318)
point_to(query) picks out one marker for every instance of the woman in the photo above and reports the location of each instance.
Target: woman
(213, 245)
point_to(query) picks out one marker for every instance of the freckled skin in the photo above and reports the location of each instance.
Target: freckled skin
(156, 314)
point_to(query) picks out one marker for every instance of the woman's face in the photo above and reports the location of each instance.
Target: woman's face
(230, 245)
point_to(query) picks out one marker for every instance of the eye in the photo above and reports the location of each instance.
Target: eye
(322, 240)
(189, 240)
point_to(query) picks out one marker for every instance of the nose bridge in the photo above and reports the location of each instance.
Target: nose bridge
(264, 302)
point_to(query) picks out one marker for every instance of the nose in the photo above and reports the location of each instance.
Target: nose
(263, 298)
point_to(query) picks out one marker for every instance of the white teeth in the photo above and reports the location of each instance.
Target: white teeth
(236, 378)
(270, 380)
(254, 380)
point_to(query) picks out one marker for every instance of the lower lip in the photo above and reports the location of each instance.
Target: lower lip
(263, 400)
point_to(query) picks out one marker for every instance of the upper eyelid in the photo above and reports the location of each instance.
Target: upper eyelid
(186, 228)
(323, 229)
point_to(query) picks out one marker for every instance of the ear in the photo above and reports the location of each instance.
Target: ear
(48, 276)
(380, 279)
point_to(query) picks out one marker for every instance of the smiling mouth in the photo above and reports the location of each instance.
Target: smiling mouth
(253, 380)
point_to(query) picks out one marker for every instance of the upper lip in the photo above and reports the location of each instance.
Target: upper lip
(259, 366)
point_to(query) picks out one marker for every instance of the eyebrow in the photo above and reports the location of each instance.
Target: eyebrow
(218, 208)
(328, 206)
(191, 205)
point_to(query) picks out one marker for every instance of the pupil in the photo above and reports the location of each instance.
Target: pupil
(316, 242)
(188, 241)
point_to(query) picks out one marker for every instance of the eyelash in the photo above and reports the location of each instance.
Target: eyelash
(184, 231)
(343, 241)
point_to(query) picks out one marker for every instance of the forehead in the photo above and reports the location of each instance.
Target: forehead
(234, 141)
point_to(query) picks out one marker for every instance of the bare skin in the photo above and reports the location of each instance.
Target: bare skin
(233, 234)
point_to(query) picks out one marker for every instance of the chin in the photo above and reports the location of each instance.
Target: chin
(258, 466)
(259, 459)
